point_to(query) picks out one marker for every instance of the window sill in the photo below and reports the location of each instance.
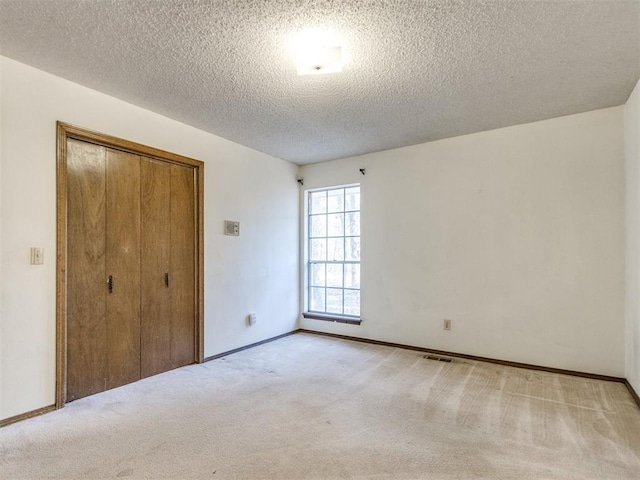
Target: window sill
(332, 318)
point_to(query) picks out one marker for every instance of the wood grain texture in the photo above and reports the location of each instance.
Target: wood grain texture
(123, 264)
(79, 133)
(86, 301)
(30, 414)
(155, 300)
(61, 266)
(183, 263)
(65, 134)
(198, 201)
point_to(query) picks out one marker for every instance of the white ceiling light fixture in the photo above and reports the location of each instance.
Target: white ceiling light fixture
(317, 53)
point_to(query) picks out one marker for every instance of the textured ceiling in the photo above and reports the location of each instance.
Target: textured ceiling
(416, 71)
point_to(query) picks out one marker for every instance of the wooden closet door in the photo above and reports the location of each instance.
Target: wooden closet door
(103, 322)
(155, 264)
(86, 269)
(182, 273)
(128, 273)
(123, 266)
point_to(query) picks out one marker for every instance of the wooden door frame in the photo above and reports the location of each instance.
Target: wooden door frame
(65, 132)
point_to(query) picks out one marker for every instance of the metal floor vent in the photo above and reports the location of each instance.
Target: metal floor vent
(439, 359)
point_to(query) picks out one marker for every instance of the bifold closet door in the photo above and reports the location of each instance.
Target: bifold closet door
(131, 263)
(155, 264)
(123, 268)
(183, 255)
(103, 262)
(168, 267)
(86, 269)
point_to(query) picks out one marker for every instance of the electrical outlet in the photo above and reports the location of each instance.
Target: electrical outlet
(252, 318)
(446, 324)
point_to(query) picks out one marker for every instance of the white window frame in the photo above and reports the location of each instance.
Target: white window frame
(306, 241)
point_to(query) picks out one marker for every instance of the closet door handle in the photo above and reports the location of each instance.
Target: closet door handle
(166, 280)
(110, 283)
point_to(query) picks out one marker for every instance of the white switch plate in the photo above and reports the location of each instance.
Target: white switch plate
(252, 318)
(232, 228)
(37, 255)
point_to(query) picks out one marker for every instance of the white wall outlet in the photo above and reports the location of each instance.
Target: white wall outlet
(252, 318)
(232, 228)
(37, 255)
(446, 324)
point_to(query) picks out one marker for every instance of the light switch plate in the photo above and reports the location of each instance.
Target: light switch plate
(37, 255)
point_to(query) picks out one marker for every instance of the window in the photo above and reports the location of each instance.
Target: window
(333, 281)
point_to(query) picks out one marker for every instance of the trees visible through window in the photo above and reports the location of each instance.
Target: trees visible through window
(334, 251)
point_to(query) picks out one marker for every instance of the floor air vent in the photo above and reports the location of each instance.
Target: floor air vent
(439, 359)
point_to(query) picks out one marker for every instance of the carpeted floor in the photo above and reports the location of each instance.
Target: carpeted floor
(312, 407)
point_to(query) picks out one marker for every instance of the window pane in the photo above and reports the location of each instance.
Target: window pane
(318, 202)
(318, 227)
(335, 251)
(352, 223)
(335, 200)
(353, 249)
(317, 275)
(352, 302)
(316, 299)
(334, 275)
(334, 238)
(352, 198)
(336, 225)
(334, 300)
(351, 275)
(318, 250)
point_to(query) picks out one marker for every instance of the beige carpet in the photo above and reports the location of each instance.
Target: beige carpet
(311, 407)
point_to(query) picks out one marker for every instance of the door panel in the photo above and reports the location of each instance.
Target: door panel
(123, 264)
(132, 219)
(182, 266)
(155, 263)
(86, 277)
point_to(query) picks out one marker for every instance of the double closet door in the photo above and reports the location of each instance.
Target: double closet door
(130, 267)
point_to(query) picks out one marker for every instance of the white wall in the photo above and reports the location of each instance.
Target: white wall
(516, 235)
(632, 176)
(256, 272)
